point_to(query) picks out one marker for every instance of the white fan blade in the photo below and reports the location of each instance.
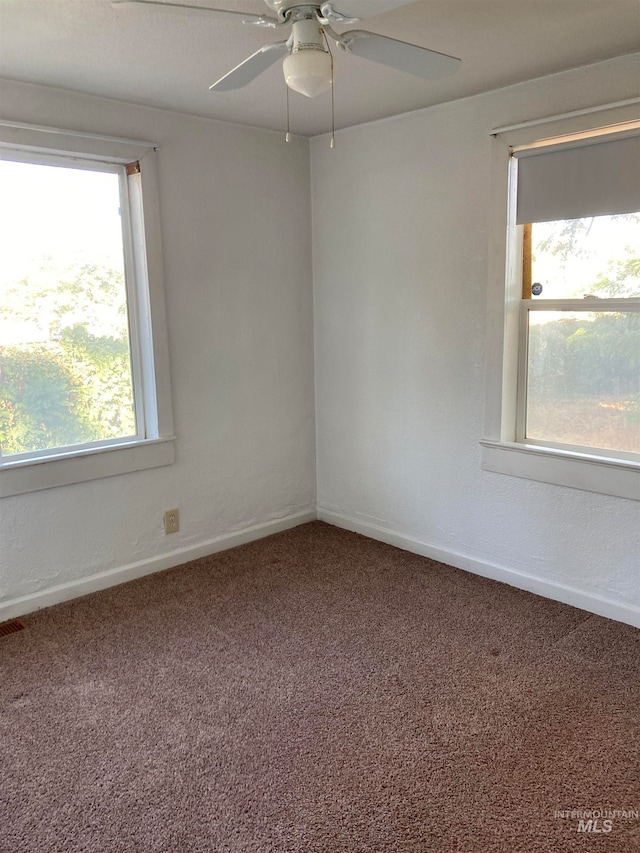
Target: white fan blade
(399, 54)
(251, 67)
(220, 14)
(366, 8)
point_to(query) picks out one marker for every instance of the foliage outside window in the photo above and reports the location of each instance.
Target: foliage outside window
(83, 344)
(581, 377)
(65, 355)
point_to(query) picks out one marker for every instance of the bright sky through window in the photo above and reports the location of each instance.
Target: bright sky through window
(52, 219)
(70, 214)
(574, 258)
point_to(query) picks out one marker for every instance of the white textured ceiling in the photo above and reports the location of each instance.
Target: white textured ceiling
(168, 60)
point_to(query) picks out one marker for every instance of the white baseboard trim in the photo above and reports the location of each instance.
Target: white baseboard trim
(584, 600)
(111, 577)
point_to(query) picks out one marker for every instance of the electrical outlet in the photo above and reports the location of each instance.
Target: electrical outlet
(171, 521)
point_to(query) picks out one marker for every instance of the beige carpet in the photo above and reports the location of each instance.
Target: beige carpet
(318, 692)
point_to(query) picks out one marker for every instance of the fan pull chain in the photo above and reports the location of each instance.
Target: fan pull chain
(333, 103)
(287, 137)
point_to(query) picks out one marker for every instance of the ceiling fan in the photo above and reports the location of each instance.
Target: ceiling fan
(308, 64)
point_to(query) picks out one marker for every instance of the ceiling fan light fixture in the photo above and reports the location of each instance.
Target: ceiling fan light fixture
(308, 71)
(308, 66)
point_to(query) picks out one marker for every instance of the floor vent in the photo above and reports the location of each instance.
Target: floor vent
(11, 627)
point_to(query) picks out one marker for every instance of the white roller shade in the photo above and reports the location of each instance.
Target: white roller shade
(576, 180)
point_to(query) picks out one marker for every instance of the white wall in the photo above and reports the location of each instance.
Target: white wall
(236, 231)
(400, 246)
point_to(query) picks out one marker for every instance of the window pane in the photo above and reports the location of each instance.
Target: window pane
(598, 256)
(583, 384)
(65, 368)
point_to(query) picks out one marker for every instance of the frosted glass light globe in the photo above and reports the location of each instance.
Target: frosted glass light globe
(308, 72)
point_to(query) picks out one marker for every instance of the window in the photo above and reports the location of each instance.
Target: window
(83, 369)
(579, 353)
(569, 401)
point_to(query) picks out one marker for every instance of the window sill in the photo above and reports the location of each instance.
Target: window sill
(33, 475)
(599, 474)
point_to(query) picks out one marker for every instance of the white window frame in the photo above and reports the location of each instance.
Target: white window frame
(504, 449)
(153, 444)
